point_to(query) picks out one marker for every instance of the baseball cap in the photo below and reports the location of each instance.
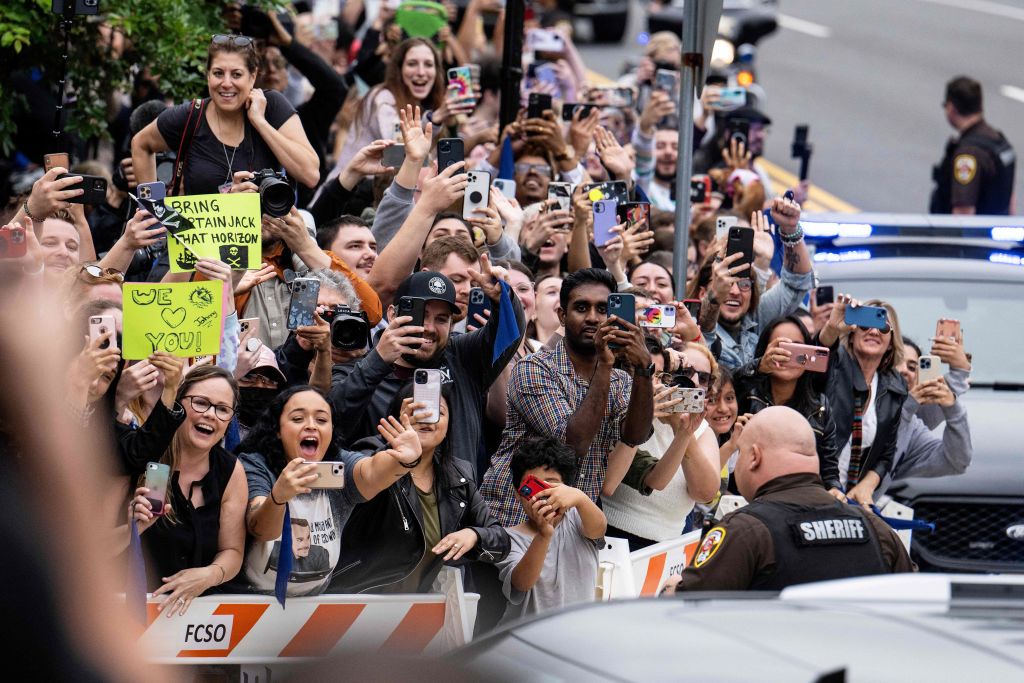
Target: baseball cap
(266, 365)
(751, 114)
(429, 286)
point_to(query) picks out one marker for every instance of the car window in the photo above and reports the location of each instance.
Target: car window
(991, 315)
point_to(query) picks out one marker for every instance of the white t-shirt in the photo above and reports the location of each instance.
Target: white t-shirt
(868, 427)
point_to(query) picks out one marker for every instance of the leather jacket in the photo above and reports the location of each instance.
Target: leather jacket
(383, 539)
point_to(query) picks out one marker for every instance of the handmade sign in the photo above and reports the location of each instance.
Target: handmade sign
(182, 318)
(226, 227)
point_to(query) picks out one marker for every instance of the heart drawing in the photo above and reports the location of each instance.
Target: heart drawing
(173, 317)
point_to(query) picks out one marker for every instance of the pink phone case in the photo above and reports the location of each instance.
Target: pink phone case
(810, 358)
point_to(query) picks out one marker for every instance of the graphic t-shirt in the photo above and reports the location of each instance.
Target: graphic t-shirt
(317, 520)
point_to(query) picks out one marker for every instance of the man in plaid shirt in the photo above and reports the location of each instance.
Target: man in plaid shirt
(574, 394)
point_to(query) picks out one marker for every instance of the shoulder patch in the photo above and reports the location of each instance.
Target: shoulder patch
(965, 167)
(712, 542)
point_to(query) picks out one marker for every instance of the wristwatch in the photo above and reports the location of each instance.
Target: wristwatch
(644, 372)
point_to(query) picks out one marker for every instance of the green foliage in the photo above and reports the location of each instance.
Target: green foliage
(168, 36)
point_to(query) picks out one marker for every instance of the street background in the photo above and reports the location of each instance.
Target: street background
(869, 78)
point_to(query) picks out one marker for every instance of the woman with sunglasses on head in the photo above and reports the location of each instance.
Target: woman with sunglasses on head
(774, 379)
(241, 128)
(647, 498)
(196, 542)
(866, 393)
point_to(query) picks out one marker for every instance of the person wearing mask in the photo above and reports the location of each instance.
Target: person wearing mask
(239, 127)
(771, 379)
(196, 544)
(792, 532)
(433, 515)
(866, 394)
(279, 456)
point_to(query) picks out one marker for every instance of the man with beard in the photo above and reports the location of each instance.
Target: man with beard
(573, 393)
(469, 363)
(666, 158)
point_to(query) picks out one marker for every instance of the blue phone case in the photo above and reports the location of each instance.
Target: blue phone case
(605, 219)
(867, 316)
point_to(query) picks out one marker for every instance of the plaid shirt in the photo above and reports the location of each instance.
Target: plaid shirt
(543, 393)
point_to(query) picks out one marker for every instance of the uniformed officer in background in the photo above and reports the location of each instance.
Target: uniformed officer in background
(976, 174)
(794, 531)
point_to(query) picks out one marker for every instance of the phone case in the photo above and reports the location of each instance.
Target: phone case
(660, 315)
(537, 103)
(462, 77)
(928, 368)
(824, 295)
(867, 316)
(667, 81)
(413, 307)
(531, 486)
(569, 109)
(13, 242)
(604, 220)
(741, 241)
(156, 191)
(692, 400)
(563, 193)
(99, 326)
(611, 189)
(632, 213)
(450, 151)
(393, 156)
(478, 303)
(330, 475)
(693, 306)
(944, 329)
(157, 476)
(249, 326)
(622, 306)
(54, 160)
(477, 193)
(505, 186)
(722, 225)
(95, 188)
(732, 97)
(426, 389)
(810, 358)
(305, 291)
(700, 190)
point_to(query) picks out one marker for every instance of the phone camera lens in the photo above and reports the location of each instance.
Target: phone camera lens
(615, 301)
(446, 146)
(421, 377)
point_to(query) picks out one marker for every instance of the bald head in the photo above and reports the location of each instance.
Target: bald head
(776, 442)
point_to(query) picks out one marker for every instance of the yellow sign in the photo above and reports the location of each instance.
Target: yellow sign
(182, 318)
(227, 227)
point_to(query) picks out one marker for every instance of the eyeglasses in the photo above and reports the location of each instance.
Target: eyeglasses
(202, 406)
(234, 41)
(539, 169)
(103, 273)
(745, 284)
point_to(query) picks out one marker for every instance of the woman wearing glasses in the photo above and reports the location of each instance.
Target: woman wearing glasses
(648, 498)
(867, 395)
(197, 543)
(242, 128)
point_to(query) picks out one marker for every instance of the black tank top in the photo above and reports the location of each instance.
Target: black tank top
(193, 540)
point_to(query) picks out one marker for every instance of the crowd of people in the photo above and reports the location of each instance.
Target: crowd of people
(558, 422)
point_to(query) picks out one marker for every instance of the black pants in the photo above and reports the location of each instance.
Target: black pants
(635, 542)
(482, 578)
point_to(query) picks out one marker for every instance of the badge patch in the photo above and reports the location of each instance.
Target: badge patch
(712, 542)
(436, 285)
(965, 166)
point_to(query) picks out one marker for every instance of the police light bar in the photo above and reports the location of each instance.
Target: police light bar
(826, 227)
(835, 229)
(1006, 259)
(1008, 234)
(843, 256)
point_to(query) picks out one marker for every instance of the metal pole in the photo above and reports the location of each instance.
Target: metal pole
(512, 61)
(693, 62)
(65, 27)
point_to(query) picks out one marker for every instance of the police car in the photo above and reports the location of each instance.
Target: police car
(971, 269)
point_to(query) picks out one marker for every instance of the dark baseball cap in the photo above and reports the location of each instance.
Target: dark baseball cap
(751, 114)
(429, 286)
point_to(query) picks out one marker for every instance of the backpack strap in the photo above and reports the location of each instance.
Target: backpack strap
(195, 119)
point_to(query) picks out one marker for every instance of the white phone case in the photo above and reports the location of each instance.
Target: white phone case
(477, 194)
(660, 316)
(506, 187)
(693, 400)
(330, 475)
(722, 225)
(928, 368)
(426, 389)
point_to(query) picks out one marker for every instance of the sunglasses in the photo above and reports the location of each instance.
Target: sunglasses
(103, 273)
(234, 41)
(539, 169)
(684, 377)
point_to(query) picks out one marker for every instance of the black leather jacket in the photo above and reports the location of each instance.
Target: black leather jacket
(754, 394)
(383, 539)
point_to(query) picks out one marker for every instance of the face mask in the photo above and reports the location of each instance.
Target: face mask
(252, 401)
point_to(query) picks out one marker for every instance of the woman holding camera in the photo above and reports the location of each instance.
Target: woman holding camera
(772, 379)
(282, 458)
(397, 543)
(237, 128)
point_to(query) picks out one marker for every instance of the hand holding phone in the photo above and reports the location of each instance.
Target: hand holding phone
(305, 292)
(157, 476)
(531, 486)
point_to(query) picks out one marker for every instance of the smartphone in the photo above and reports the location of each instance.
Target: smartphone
(396, 133)
(537, 104)
(928, 368)
(531, 486)
(824, 295)
(692, 400)
(661, 316)
(611, 189)
(426, 389)
(393, 156)
(95, 188)
(413, 307)
(329, 474)
(604, 220)
(60, 159)
(667, 82)
(248, 328)
(810, 358)
(477, 193)
(545, 40)
(12, 242)
(622, 97)
(693, 308)
(867, 316)
(305, 292)
(740, 130)
(478, 303)
(462, 77)
(562, 192)
(505, 186)
(450, 151)
(632, 213)
(101, 326)
(155, 191)
(542, 72)
(622, 306)
(570, 108)
(741, 241)
(948, 328)
(157, 476)
(732, 98)
(700, 190)
(722, 225)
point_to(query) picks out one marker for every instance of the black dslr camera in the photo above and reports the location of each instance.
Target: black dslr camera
(350, 330)
(276, 195)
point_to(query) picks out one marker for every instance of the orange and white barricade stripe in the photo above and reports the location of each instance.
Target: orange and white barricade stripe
(643, 573)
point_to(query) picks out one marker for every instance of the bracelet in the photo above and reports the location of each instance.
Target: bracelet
(700, 336)
(24, 207)
(274, 499)
(792, 238)
(222, 573)
(412, 465)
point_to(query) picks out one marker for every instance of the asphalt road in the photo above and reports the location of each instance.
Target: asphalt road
(869, 77)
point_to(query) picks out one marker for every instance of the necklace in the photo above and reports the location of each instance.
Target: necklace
(230, 162)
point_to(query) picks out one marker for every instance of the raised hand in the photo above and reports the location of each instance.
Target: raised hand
(402, 438)
(417, 138)
(612, 154)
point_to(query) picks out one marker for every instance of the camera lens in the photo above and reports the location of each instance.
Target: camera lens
(421, 377)
(337, 469)
(349, 332)
(614, 301)
(445, 146)
(276, 196)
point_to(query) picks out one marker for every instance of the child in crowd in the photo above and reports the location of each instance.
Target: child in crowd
(553, 561)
